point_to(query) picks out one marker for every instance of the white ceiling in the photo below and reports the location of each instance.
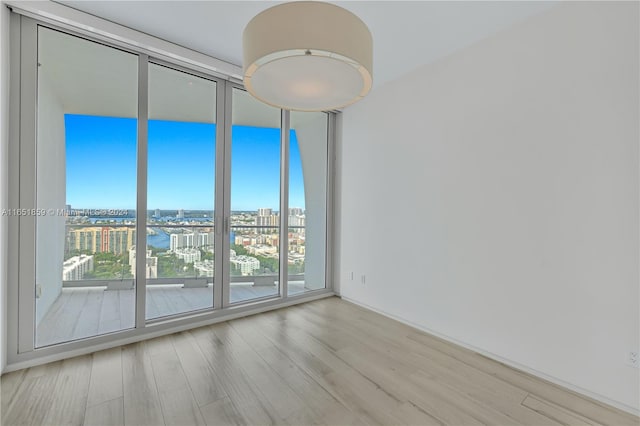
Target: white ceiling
(89, 78)
(86, 77)
(406, 34)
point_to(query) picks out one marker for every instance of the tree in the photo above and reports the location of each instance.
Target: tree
(240, 250)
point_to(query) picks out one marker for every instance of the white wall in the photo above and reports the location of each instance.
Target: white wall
(311, 131)
(492, 197)
(51, 184)
(4, 143)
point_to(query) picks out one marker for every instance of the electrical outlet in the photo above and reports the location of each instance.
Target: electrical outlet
(632, 359)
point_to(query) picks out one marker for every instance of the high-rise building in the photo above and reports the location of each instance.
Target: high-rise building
(156, 214)
(151, 266)
(297, 220)
(102, 239)
(265, 219)
(75, 267)
(175, 241)
(296, 211)
(204, 239)
(180, 214)
(201, 239)
(190, 239)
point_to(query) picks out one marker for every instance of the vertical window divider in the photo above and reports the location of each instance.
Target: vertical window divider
(14, 257)
(222, 261)
(285, 125)
(329, 249)
(28, 174)
(220, 190)
(141, 202)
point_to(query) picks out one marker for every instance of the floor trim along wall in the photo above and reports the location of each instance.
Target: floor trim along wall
(510, 363)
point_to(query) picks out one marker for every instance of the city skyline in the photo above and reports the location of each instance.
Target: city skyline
(176, 178)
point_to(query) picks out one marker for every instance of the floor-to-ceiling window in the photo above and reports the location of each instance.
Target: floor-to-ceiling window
(85, 188)
(180, 192)
(255, 238)
(151, 193)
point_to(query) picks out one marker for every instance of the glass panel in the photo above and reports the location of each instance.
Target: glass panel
(255, 199)
(181, 182)
(307, 201)
(86, 188)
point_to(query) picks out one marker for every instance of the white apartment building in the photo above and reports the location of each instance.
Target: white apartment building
(189, 255)
(297, 220)
(190, 239)
(246, 264)
(74, 268)
(151, 261)
(266, 218)
(204, 267)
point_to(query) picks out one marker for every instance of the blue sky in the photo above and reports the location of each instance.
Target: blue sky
(101, 165)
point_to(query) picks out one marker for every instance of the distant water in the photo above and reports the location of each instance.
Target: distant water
(160, 240)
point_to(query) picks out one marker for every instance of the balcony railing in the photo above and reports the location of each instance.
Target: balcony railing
(129, 282)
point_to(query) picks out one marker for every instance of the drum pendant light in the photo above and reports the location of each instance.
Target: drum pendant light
(307, 56)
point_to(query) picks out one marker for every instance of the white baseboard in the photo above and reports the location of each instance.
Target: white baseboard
(510, 363)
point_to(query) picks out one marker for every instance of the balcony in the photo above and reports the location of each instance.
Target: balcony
(96, 295)
(86, 308)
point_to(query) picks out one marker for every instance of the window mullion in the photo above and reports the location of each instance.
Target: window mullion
(219, 291)
(222, 261)
(285, 125)
(28, 190)
(141, 203)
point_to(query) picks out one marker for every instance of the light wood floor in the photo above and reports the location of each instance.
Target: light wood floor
(324, 362)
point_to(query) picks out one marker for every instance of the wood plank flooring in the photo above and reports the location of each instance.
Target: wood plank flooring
(326, 362)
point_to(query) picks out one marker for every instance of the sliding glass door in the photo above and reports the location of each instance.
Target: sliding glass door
(85, 188)
(151, 195)
(180, 193)
(254, 256)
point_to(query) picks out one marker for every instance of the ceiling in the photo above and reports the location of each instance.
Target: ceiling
(84, 77)
(406, 34)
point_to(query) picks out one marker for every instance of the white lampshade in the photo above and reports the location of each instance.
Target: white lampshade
(307, 56)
